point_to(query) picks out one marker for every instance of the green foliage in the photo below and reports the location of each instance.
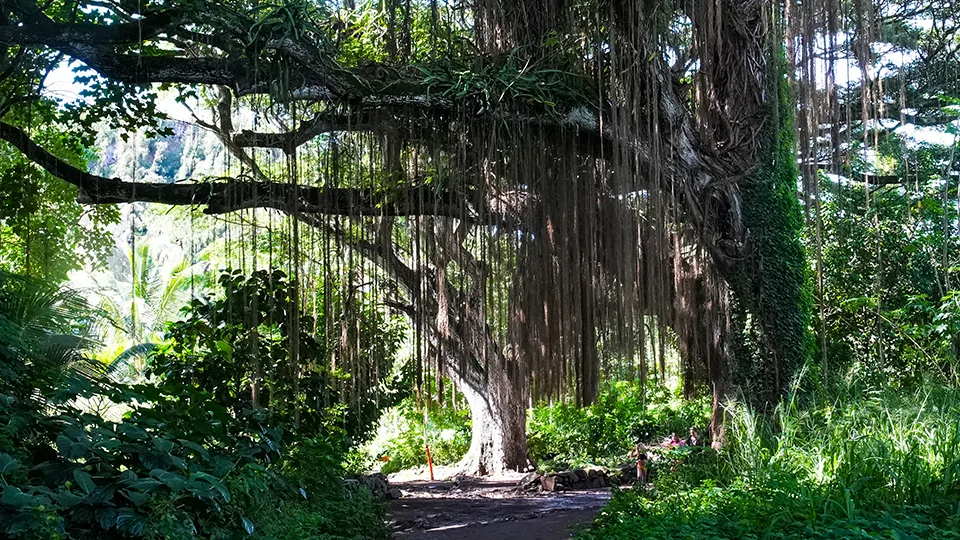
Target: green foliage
(860, 462)
(44, 232)
(563, 436)
(141, 289)
(445, 429)
(889, 270)
(239, 349)
(510, 79)
(178, 464)
(751, 511)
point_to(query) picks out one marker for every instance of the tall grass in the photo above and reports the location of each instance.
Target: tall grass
(872, 449)
(850, 462)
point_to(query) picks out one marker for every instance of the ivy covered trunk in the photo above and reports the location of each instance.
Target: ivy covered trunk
(772, 290)
(741, 196)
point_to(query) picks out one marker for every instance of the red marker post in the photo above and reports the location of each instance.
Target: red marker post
(429, 462)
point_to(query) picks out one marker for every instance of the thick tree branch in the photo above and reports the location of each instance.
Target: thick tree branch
(57, 35)
(321, 123)
(231, 195)
(145, 69)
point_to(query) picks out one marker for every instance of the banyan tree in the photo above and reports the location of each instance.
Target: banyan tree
(546, 188)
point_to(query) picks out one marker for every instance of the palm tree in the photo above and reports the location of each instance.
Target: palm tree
(144, 286)
(45, 335)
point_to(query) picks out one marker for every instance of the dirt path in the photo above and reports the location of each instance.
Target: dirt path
(489, 509)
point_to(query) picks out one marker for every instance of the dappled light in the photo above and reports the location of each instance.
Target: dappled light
(450, 269)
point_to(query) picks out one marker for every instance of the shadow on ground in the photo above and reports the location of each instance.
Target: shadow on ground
(489, 509)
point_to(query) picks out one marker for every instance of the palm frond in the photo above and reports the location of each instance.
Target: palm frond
(123, 363)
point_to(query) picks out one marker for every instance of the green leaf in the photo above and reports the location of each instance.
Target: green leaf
(8, 464)
(131, 523)
(144, 484)
(162, 444)
(106, 517)
(174, 481)
(195, 447)
(12, 496)
(85, 481)
(224, 347)
(64, 446)
(137, 498)
(132, 432)
(67, 499)
(248, 526)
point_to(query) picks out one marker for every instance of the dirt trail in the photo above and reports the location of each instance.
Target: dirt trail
(489, 509)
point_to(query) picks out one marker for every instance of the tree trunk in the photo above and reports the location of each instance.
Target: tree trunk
(498, 410)
(496, 388)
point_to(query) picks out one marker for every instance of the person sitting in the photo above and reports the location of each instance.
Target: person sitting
(694, 438)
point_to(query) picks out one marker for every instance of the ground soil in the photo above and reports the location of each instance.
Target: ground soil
(488, 509)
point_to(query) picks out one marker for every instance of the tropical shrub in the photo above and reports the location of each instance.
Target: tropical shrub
(238, 347)
(445, 429)
(855, 462)
(562, 435)
(178, 463)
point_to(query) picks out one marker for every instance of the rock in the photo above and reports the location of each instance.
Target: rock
(548, 483)
(529, 481)
(394, 493)
(580, 472)
(377, 483)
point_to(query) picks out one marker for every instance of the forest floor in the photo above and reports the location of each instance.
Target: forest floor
(489, 509)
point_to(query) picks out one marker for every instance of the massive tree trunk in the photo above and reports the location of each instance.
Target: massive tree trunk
(498, 412)
(495, 386)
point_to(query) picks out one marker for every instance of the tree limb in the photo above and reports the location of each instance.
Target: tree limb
(234, 194)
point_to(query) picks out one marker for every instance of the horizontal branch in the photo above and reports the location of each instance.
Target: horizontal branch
(146, 69)
(55, 35)
(321, 123)
(232, 194)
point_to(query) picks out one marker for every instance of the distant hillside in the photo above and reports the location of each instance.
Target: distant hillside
(191, 152)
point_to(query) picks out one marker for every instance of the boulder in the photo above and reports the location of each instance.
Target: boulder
(394, 493)
(377, 483)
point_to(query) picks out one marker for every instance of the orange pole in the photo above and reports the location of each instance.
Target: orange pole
(429, 462)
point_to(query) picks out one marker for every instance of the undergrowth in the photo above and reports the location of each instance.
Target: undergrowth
(409, 430)
(563, 436)
(852, 463)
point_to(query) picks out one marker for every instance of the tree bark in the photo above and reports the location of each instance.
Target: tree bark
(498, 412)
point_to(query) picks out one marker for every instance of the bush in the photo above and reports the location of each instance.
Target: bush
(561, 436)
(243, 341)
(770, 511)
(180, 463)
(447, 431)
